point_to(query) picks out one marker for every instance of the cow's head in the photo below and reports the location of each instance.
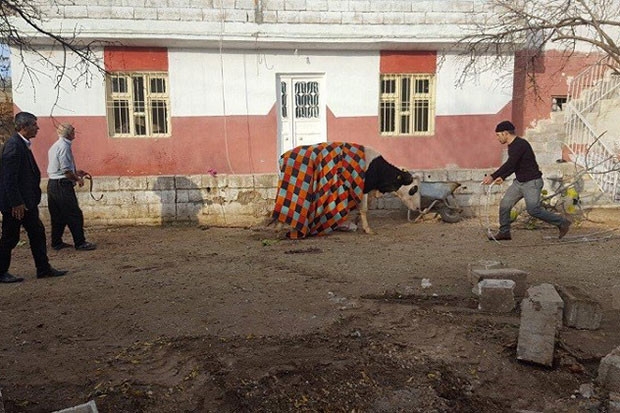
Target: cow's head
(394, 179)
(410, 194)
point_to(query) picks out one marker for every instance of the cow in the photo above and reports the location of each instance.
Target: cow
(381, 178)
(320, 184)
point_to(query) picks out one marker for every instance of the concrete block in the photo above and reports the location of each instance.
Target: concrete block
(496, 295)
(541, 318)
(241, 181)
(518, 276)
(580, 310)
(609, 371)
(481, 265)
(90, 407)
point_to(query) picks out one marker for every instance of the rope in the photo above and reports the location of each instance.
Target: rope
(90, 191)
(486, 212)
(569, 239)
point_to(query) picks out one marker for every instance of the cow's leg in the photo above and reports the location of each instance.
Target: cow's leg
(363, 212)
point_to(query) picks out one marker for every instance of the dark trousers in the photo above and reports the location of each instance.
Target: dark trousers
(64, 211)
(10, 237)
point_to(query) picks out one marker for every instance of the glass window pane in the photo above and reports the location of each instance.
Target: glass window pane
(159, 117)
(158, 85)
(120, 113)
(421, 115)
(138, 94)
(119, 84)
(405, 121)
(388, 117)
(284, 99)
(306, 100)
(388, 85)
(422, 86)
(139, 125)
(405, 89)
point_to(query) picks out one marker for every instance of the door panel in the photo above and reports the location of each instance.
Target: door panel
(301, 119)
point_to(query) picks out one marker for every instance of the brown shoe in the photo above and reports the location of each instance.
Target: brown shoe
(564, 227)
(500, 236)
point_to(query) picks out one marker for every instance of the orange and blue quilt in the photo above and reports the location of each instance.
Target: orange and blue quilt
(319, 185)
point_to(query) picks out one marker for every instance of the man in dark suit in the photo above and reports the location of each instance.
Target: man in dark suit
(20, 194)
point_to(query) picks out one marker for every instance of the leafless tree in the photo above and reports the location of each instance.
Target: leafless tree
(526, 28)
(17, 16)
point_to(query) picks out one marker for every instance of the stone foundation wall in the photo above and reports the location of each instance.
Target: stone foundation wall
(243, 200)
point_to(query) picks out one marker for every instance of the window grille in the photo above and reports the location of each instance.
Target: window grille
(407, 104)
(306, 99)
(138, 104)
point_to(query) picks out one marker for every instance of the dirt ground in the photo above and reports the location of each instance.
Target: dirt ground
(191, 319)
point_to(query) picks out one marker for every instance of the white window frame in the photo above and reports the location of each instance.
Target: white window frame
(136, 118)
(401, 104)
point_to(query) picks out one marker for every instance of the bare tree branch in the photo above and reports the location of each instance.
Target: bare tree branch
(530, 26)
(62, 70)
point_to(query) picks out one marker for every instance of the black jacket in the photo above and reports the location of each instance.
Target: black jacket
(20, 177)
(521, 161)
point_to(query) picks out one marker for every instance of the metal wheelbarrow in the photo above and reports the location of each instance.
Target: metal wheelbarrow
(438, 197)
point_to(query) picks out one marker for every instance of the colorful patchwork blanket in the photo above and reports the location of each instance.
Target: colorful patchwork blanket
(319, 185)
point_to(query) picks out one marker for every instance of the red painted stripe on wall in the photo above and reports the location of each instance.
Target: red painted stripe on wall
(408, 61)
(135, 58)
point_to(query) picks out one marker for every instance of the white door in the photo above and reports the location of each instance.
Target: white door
(301, 114)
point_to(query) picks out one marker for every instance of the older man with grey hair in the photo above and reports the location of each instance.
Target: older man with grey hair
(61, 200)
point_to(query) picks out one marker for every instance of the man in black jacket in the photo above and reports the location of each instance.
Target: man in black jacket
(20, 195)
(527, 185)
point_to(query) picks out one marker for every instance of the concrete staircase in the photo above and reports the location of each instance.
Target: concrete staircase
(591, 130)
(548, 138)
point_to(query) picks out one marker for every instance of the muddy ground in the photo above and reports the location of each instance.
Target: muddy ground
(191, 319)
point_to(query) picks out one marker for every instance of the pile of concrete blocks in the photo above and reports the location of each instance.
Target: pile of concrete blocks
(496, 285)
(545, 308)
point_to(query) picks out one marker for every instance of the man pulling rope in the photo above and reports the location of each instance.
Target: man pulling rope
(527, 185)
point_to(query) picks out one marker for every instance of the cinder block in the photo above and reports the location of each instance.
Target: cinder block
(541, 318)
(518, 276)
(496, 295)
(580, 310)
(481, 265)
(90, 407)
(609, 371)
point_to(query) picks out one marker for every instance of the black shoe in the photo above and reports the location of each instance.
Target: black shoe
(60, 246)
(564, 227)
(500, 236)
(86, 246)
(8, 278)
(52, 272)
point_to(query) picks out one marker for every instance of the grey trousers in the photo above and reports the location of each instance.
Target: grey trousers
(530, 191)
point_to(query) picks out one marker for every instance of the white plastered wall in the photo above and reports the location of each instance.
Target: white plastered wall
(249, 80)
(81, 91)
(485, 93)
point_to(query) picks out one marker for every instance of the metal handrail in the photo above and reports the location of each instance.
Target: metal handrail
(585, 91)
